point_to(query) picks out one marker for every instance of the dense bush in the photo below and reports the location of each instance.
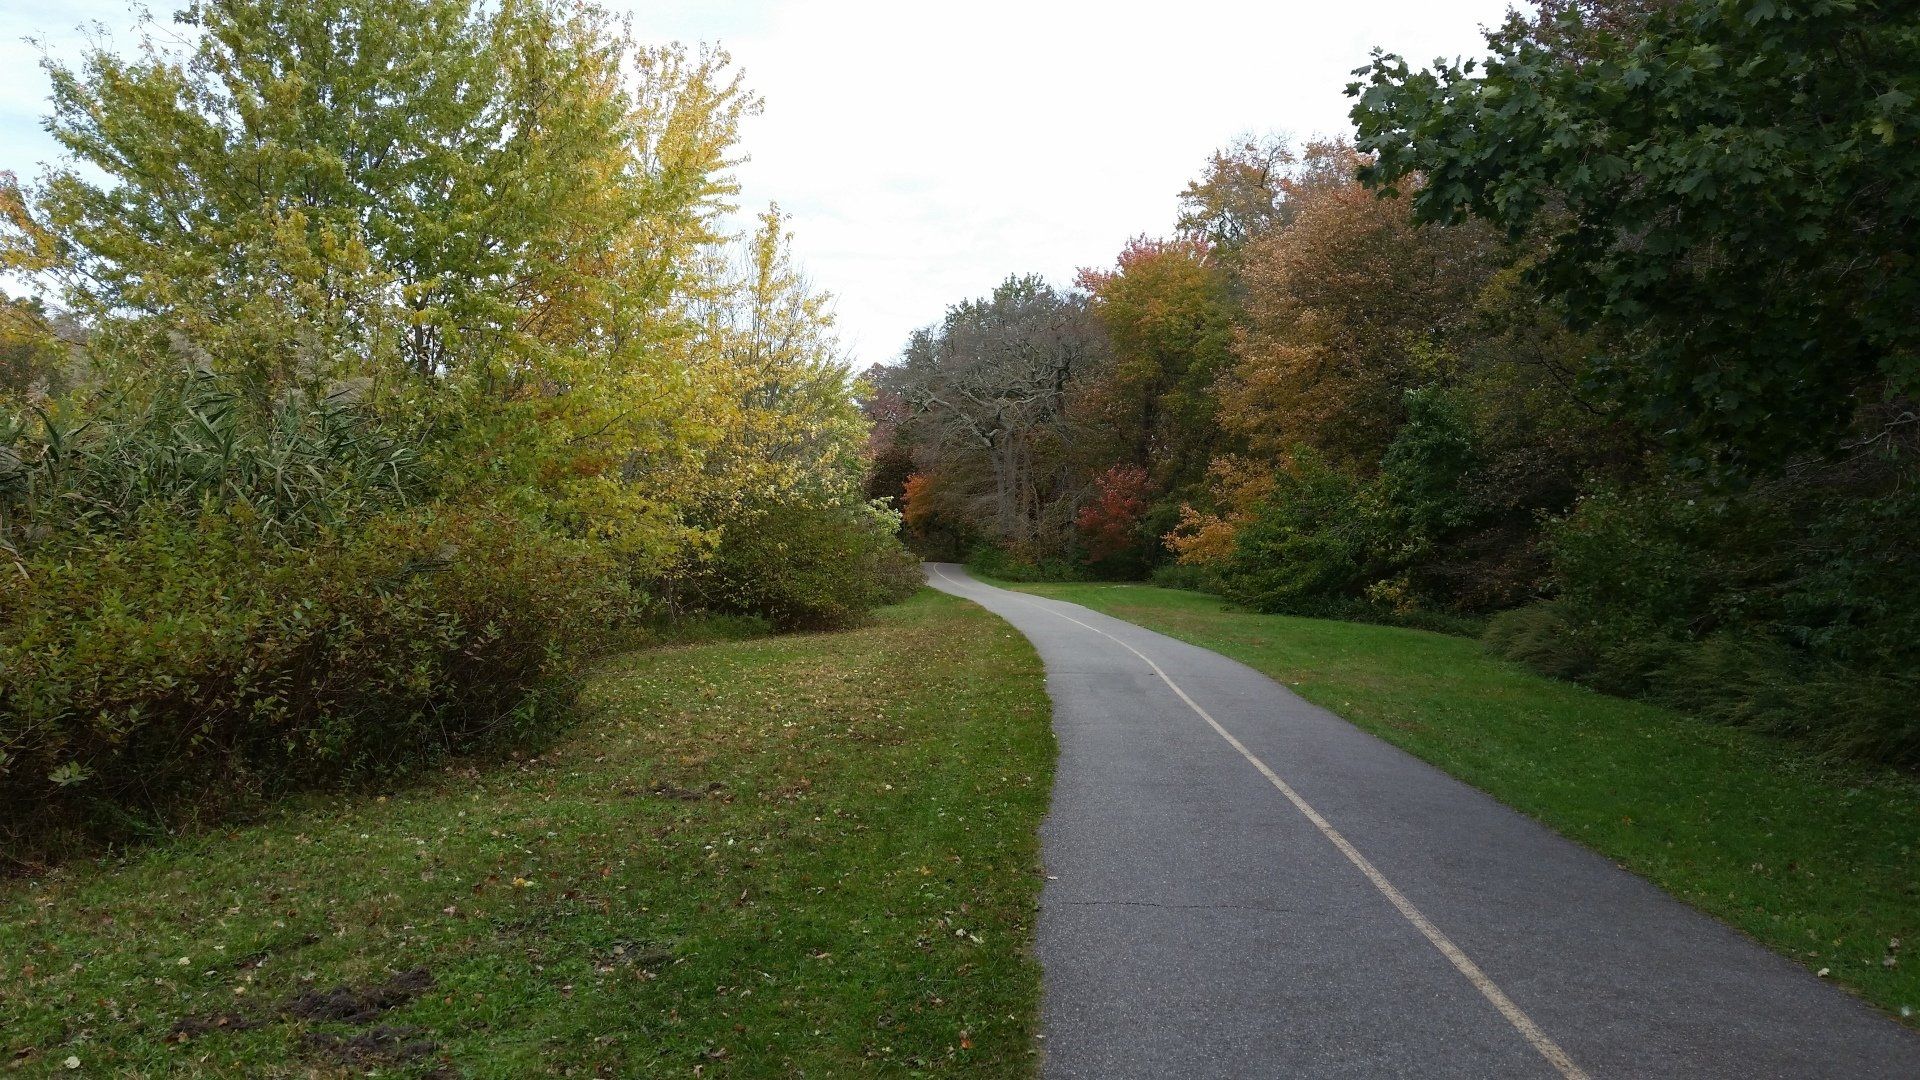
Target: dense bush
(1325, 541)
(1791, 605)
(1007, 564)
(186, 666)
(1538, 636)
(297, 465)
(1176, 575)
(1110, 528)
(806, 567)
(1829, 563)
(211, 599)
(1307, 548)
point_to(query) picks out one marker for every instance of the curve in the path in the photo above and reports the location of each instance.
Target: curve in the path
(1241, 884)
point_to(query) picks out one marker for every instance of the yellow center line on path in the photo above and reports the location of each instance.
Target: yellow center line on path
(1521, 1022)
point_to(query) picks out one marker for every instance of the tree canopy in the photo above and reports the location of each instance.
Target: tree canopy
(1728, 188)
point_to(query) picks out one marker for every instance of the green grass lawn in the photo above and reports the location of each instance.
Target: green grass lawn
(775, 857)
(1822, 863)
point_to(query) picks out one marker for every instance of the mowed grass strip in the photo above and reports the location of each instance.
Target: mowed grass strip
(1819, 862)
(776, 857)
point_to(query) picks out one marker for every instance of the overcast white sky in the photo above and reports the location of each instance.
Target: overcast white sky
(926, 151)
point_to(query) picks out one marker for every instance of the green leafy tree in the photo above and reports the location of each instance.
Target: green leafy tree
(1307, 547)
(34, 359)
(427, 186)
(510, 219)
(1730, 187)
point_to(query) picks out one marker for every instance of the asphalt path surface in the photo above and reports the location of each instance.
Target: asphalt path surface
(1241, 884)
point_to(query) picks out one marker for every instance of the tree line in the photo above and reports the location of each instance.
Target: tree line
(383, 360)
(1600, 345)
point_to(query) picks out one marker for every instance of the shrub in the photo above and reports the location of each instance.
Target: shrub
(1421, 472)
(807, 567)
(1185, 576)
(184, 668)
(1758, 682)
(298, 465)
(1305, 549)
(1792, 605)
(1007, 564)
(1539, 636)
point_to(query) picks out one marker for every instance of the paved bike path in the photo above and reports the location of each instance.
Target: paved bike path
(1241, 884)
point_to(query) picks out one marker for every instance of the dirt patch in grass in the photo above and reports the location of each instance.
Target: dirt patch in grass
(192, 1027)
(345, 1005)
(375, 1047)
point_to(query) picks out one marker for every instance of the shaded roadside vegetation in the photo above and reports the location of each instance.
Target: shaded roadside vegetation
(1814, 859)
(1602, 345)
(802, 854)
(389, 359)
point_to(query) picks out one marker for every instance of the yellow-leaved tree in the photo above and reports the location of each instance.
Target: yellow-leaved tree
(504, 226)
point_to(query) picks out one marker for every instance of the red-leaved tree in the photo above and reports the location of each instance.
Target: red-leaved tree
(1110, 524)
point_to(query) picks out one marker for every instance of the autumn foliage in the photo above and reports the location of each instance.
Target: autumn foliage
(1571, 340)
(1348, 306)
(389, 360)
(1109, 524)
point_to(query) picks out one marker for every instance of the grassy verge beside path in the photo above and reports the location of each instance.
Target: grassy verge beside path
(1821, 863)
(776, 857)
